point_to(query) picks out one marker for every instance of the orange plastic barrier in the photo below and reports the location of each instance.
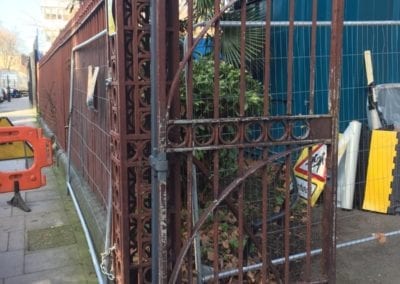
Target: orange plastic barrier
(30, 178)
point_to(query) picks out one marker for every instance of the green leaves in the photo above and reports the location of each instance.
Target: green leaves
(230, 36)
(204, 8)
(229, 90)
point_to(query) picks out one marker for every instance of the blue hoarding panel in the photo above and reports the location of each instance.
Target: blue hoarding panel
(382, 40)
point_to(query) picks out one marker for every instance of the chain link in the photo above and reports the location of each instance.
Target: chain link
(105, 261)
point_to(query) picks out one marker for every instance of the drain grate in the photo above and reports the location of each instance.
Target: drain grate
(50, 237)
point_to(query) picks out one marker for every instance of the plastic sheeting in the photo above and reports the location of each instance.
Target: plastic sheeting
(388, 98)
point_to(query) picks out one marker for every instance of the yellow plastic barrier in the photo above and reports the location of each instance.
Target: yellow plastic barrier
(381, 164)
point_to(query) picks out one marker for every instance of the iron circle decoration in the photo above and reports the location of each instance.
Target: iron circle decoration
(145, 122)
(229, 133)
(254, 132)
(300, 129)
(278, 131)
(144, 96)
(177, 135)
(203, 134)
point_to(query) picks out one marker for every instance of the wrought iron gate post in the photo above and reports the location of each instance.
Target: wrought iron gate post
(329, 238)
(158, 159)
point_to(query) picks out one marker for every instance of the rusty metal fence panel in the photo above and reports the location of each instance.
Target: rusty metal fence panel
(130, 140)
(90, 138)
(239, 215)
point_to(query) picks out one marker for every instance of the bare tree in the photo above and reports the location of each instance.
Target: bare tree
(8, 49)
(73, 4)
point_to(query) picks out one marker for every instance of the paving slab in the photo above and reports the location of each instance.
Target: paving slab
(42, 194)
(3, 242)
(5, 209)
(42, 220)
(45, 206)
(16, 240)
(10, 224)
(67, 274)
(4, 197)
(11, 263)
(51, 258)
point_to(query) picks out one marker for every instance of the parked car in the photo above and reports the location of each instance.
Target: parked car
(3, 95)
(15, 93)
(24, 93)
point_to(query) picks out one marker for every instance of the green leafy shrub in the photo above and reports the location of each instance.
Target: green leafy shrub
(229, 83)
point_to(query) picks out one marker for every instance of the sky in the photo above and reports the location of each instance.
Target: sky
(21, 17)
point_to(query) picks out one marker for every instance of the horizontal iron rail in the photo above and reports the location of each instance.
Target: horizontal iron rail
(281, 260)
(255, 24)
(246, 119)
(248, 145)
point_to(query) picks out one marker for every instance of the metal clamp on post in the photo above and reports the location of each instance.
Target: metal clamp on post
(159, 164)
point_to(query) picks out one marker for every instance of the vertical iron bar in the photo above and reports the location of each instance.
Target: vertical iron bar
(158, 140)
(217, 50)
(242, 101)
(189, 114)
(287, 218)
(154, 146)
(120, 136)
(267, 56)
(311, 111)
(288, 165)
(290, 58)
(174, 178)
(189, 204)
(309, 216)
(195, 218)
(329, 216)
(267, 69)
(312, 55)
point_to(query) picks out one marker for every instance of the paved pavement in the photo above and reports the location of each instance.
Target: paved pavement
(377, 258)
(45, 245)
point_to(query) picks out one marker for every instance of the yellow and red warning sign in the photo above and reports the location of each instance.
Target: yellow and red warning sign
(318, 172)
(16, 149)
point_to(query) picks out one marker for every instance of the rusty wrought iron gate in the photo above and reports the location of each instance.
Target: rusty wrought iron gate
(226, 131)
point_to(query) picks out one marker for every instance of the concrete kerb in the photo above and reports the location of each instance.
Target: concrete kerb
(92, 209)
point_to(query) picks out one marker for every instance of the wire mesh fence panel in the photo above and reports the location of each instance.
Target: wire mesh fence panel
(374, 187)
(381, 38)
(90, 131)
(90, 117)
